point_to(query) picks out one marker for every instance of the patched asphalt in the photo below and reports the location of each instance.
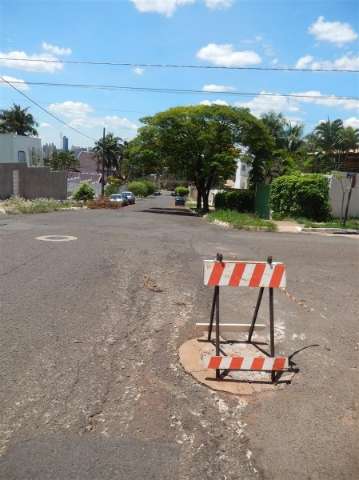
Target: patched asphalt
(91, 386)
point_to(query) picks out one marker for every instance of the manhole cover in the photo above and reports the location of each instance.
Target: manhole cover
(56, 238)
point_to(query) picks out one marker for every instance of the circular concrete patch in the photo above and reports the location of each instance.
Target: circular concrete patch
(56, 238)
(192, 354)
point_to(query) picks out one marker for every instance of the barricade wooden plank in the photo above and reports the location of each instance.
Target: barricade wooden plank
(244, 274)
(247, 362)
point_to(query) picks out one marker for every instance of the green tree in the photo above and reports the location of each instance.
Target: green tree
(113, 148)
(141, 158)
(63, 161)
(201, 143)
(17, 120)
(287, 155)
(328, 138)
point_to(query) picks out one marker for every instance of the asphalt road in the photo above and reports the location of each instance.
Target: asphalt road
(90, 383)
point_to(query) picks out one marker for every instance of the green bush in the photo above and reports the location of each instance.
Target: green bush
(301, 196)
(182, 191)
(138, 188)
(142, 188)
(110, 189)
(239, 200)
(84, 192)
(151, 188)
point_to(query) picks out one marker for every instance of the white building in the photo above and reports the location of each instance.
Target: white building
(20, 149)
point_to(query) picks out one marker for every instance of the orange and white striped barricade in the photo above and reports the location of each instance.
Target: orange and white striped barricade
(219, 273)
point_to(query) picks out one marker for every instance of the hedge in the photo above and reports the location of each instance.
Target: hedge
(301, 196)
(239, 200)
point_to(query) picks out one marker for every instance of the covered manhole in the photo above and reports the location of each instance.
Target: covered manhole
(56, 238)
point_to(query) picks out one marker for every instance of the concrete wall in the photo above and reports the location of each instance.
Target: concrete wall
(33, 182)
(336, 194)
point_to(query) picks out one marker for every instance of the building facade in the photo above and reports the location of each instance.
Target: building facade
(20, 149)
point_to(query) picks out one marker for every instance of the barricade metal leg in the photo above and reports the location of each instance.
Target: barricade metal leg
(216, 291)
(217, 330)
(271, 328)
(259, 300)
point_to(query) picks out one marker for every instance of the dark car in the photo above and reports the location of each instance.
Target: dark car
(157, 194)
(173, 194)
(130, 197)
(180, 201)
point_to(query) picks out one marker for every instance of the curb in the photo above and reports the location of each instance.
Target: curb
(338, 231)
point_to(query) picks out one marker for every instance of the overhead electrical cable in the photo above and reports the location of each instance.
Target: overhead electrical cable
(2, 79)
(183, 91)
(177, 66)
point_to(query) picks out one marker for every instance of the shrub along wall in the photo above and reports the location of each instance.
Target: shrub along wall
(301, 196)
(239, 200)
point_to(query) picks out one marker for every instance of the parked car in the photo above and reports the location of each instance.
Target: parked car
(130, 197)
(173, 194)
(180, 201)
(120, 198)
(157, 194)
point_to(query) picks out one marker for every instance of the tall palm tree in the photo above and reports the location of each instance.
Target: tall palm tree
(329, 139)
(293, 137)
(113, 148)
(17, 120)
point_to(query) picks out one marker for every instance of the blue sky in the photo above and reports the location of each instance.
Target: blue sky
(280, 33)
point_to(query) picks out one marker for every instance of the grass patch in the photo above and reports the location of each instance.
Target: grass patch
(16, 205)
(352, 223)
(242, 221)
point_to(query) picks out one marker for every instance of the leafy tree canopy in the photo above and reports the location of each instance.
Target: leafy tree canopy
(17, 120)
(201, 143)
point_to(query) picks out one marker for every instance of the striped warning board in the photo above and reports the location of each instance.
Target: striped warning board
(244, 274)
(257, 363)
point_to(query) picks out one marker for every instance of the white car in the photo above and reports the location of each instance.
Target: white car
(119, 198)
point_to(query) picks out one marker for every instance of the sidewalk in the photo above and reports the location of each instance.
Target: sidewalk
(287, 226)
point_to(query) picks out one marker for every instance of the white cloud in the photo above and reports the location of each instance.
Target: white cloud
(18, 82)
(217, 4)
(224, 55)
(168, 7)
(214, 102)
(346, 62)
(317, 98)
(217, 88)
(21, 63)
(138, 71)
(164, 7)
(48, 47)
(78, 114)
(338, 33)
(45, 125)
(352, 122)
(262, 104)
(71, 109)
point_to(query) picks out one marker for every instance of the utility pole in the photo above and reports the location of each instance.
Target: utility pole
(103, 164)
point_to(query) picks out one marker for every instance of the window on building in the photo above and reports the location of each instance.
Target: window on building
(243, 168)
(21, 156)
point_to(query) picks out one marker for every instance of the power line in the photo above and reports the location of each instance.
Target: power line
(176, 66)
(183, 91)
(2, 79)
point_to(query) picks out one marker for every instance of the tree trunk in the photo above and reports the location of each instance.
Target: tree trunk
(205, 195)
(199, 199)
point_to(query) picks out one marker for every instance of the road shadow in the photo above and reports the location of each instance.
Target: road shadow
(170, 211)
